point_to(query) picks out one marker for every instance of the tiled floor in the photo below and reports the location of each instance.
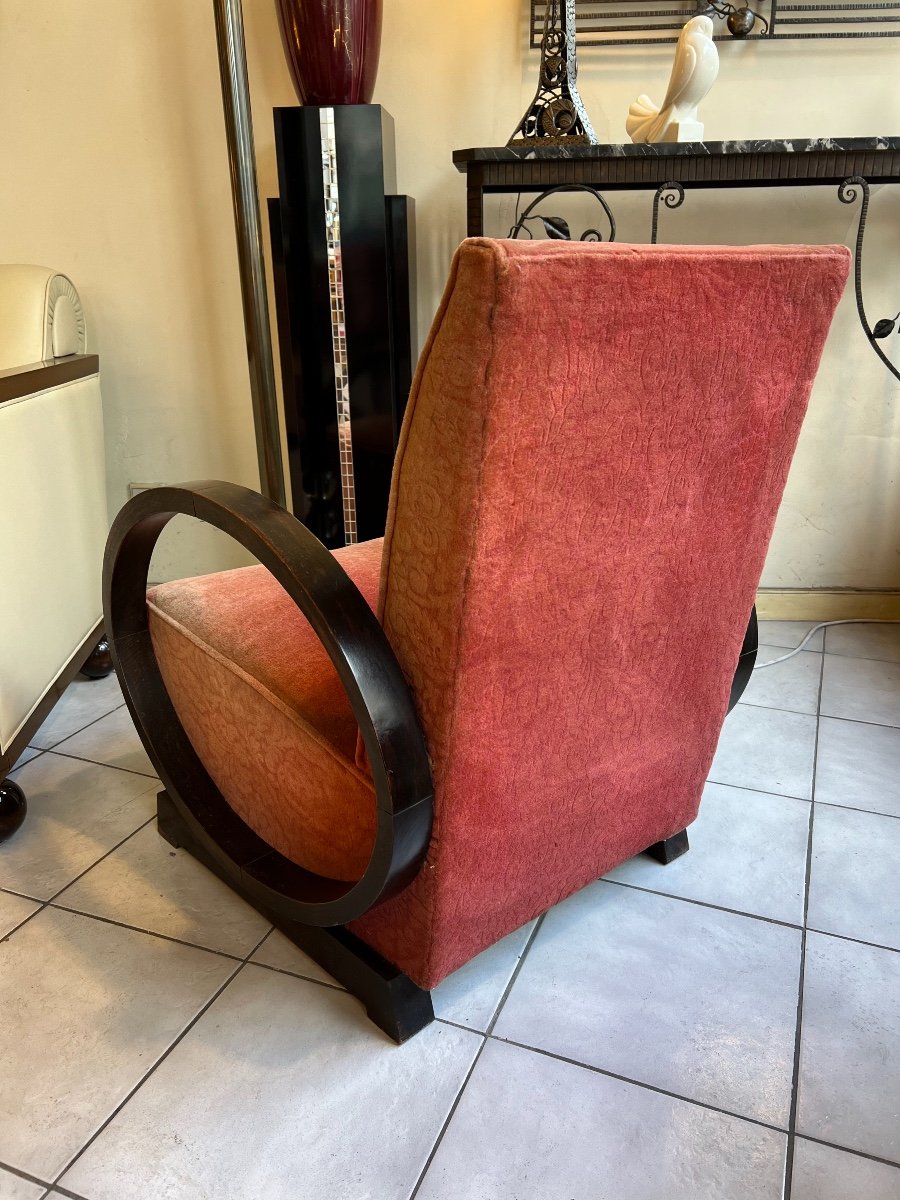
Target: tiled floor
(724, 1028)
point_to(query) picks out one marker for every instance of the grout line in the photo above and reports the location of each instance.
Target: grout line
(453, 1107)
(887, 1162)
(59, 1190)
(46, 903)
(737, 912)
(515, 975)
(164, 937)
(798, 1033)
(95, 763)
(797, 712)
(853, 941)
(162, 1058)
(112, 850)
(859, 720)
(742, 787)
(332, 987)
(829, 716)
(20, 1174)
(650, 1087)
(850, 808)
(47, 749)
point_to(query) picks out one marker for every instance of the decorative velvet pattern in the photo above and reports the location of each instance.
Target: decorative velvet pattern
(254, 690)
(590, 469)
(589, 472)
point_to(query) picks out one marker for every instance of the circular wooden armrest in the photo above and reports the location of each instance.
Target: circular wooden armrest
(362, 657)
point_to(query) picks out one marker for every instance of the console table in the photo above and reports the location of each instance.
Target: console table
(671, 169)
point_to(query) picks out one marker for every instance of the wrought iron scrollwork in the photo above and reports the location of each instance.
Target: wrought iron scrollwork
(557, 227)
(672, 196)
(848, 193)
(556, 115)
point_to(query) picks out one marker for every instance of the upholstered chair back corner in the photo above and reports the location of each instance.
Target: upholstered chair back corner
(590, 468)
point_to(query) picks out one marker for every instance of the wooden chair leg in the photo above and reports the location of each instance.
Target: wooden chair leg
(670, 849)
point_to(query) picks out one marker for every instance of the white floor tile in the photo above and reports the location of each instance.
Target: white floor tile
(748, 852)
(282, 1091)
(865, 641)
(792, 685)
(113, 740)
(13, 1187)
(766, 750)
(84, 701)
(696, 1001)
(789, 634)
(147, 884)
(77, 811)
(854, 885)
(823, 1173)
(13, 911)
(529, 1127)
(850, 1046)
(470, 996)
(279, 952)
(861, 689)
(95, 1005)
(858, 765)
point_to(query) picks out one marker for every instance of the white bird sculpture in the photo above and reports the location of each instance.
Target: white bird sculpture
(694, 72)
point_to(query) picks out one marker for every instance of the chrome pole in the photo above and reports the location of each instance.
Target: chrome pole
(242, 159)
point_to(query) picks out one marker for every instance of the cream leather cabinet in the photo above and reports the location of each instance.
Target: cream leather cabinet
(53, 518)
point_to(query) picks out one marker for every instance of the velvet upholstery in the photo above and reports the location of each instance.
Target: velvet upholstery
(590, 467)
(253, 687)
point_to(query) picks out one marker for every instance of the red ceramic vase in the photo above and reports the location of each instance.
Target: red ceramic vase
(332, 48)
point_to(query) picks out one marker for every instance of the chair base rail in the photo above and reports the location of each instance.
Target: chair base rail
(392, 1001)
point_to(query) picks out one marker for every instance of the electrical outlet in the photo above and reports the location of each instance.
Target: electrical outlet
(135, 489)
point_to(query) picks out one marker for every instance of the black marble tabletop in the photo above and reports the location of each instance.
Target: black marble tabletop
(484, 154)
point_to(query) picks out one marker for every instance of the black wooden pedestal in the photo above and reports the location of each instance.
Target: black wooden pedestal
(372, 319)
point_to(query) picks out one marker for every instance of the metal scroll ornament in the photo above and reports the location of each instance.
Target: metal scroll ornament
(556, 115)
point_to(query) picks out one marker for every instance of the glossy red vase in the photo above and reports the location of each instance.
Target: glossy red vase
(332, 48)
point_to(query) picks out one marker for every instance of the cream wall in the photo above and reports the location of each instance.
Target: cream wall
(116, 172)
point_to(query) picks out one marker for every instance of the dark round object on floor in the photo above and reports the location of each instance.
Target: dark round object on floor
(99, 662)
(13, 807)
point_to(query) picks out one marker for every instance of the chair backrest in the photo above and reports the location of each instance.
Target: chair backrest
(40, 316)
(592, 460)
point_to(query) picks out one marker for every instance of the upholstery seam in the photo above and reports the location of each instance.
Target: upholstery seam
(260, 688)
(412, 404)
(496, 250)
(762, 250)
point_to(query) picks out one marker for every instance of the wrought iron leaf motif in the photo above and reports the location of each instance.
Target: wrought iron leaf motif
(558, 228)
(885, 327)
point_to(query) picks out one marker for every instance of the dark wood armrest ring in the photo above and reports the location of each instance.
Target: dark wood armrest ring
(362, 656)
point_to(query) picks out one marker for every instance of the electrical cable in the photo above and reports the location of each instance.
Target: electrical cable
(824, 625)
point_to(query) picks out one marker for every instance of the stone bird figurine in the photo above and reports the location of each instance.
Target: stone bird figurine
(694, 72)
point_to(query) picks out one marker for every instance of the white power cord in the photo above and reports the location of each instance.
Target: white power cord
(823, 625)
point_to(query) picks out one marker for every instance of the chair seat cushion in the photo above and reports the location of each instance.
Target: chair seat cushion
(264, 708)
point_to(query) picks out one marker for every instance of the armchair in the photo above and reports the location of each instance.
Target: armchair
(53, 518)
(404, 750)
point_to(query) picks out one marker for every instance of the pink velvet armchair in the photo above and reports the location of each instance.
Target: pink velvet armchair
(402, 751)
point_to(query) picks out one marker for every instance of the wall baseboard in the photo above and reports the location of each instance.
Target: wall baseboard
(792, 604)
